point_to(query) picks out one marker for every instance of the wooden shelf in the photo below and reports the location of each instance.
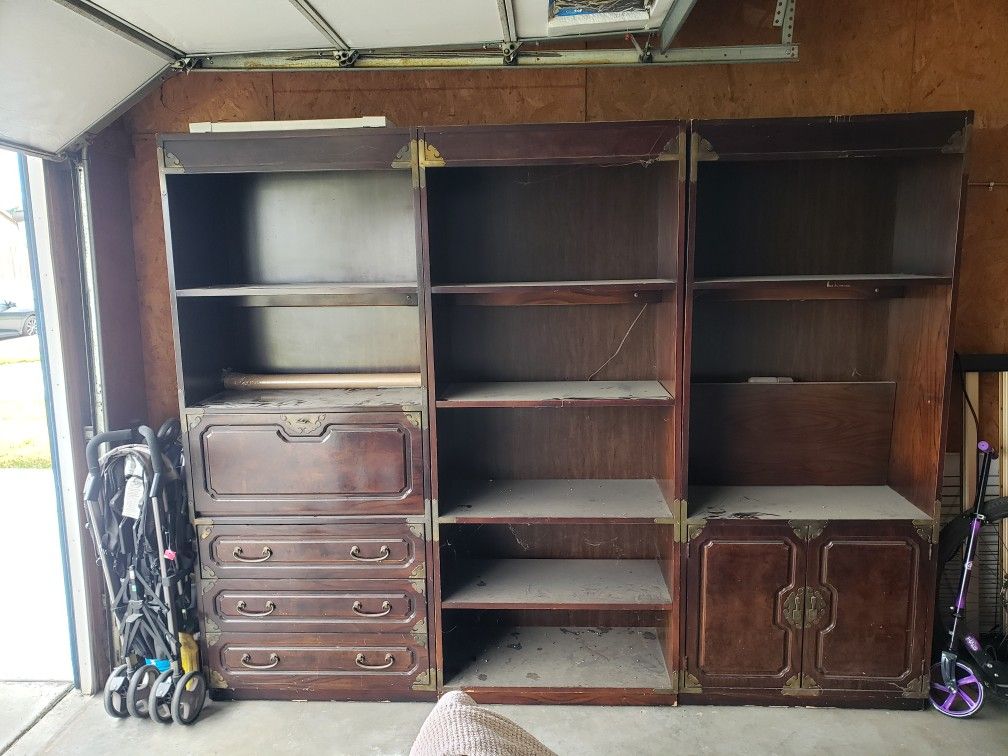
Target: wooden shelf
(554, 394)
(559, 292)
(555, 501)
(851, 286)
(303, 400)
(799, 503)
(311, 295)
(559, 584)
(565, 657)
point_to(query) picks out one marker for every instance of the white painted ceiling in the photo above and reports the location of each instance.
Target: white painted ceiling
(63, 72)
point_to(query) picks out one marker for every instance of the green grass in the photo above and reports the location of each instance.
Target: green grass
(24, 435)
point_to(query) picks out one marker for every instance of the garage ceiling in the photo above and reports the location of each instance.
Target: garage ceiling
(70, 66)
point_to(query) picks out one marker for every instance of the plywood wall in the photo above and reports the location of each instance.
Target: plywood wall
(857, 56)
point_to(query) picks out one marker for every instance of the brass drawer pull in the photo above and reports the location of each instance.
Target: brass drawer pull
(267, 552)
(383, 554)
(270, 608)
(246, 661)
(358, 608)
(362, 662)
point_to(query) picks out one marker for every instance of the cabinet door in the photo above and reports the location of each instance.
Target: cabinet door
(338, 463)
(743, 580)
(867, 607)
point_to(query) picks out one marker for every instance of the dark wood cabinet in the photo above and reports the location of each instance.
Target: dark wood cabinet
(742, 581)
(868, 608)
(307, 464)
(663, 401)
(802, 608)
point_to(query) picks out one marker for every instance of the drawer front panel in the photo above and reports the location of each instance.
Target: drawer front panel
(365, 550)
(336, 463)
(313, 606)
(302, 666)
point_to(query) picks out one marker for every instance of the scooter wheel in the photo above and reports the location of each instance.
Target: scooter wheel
(115, 693)
(966, 701)
(189, 698)
(159, 704)
(139, 690)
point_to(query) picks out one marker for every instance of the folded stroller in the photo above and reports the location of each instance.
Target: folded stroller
(137, 513)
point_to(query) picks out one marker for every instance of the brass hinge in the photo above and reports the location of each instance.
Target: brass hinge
(690, 683)
(700, 149)
(206, 572)
(206, 585)
(420, 586)
(216, 679)
(807, 530)
(193, 418)
(172, 163)
(693, 530)
(420, 571)
(425, 680)
(404, 157)
(420, 629)
(430, 156)
(416, 528)
(928, 530)
(915, 687)
(211, 631)
(413, 418)
(801, 685)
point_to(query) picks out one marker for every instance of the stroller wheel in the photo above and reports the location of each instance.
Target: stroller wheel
(139, 690)
(189, 697)
(115, 693)
(159, 704)
(964, 702)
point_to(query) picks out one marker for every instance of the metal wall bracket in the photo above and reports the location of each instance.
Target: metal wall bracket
(510, 52)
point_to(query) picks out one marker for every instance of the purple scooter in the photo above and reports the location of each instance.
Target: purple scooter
(967, 670)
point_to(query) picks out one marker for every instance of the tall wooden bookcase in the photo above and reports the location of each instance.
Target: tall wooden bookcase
(587, 498)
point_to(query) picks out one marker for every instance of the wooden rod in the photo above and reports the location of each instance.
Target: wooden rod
(321, 380)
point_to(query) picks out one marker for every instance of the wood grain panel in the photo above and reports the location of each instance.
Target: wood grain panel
(872, 630)
(790, 434)
(337, 463)
(738, 578)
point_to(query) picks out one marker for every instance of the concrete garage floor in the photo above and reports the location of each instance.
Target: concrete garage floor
(79, 725)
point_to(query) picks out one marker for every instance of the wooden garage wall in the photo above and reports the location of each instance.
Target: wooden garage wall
(857, 56)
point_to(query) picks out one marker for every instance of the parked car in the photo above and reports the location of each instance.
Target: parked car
(16, 321)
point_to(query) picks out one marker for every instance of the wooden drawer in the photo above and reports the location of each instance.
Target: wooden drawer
(278, 464)
(299, 666)
(313, 606)
(362, 550)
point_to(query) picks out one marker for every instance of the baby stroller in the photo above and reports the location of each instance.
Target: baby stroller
(137, 513)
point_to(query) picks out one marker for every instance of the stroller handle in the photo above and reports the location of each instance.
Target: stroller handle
(91, 453)
(157, 462)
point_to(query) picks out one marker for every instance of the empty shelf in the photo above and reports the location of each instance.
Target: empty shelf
(311, 295)
(559, 292)
(554, 394)
(565, 657)
(849, 286)
(558, 584)
(800, 503)
(314, 399)
(542, 501)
